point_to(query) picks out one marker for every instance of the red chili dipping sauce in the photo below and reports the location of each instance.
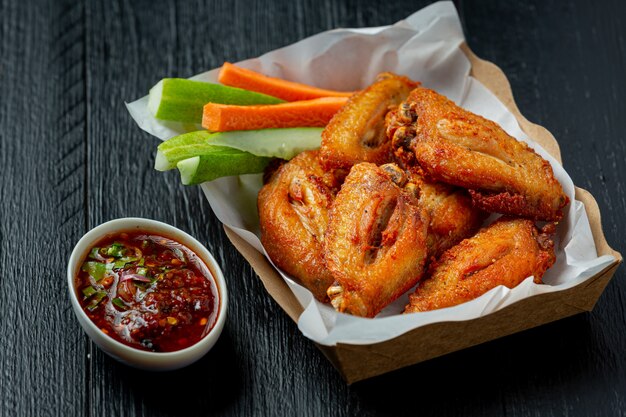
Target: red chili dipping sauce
(148, 291)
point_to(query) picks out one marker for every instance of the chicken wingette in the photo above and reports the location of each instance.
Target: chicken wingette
(452, 215)
(293, 212)
(375, 244)
(357, 132)
(504, 253)
(455, 146)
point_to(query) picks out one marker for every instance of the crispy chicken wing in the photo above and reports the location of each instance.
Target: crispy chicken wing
(357, 132)
(455, 146)
(504, 253)
(452, 215)
(375, 243)
(293, 212)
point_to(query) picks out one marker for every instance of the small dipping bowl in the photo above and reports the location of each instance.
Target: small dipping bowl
(155, 361)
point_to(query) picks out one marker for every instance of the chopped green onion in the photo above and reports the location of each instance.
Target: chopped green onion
(95, 269)
(94, 253)
(89, 291)
(141, 262)
(121, 263)
(118, 302)
(142, 271)
(95, 300)
(116, 250)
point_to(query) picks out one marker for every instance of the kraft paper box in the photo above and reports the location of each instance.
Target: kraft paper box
(427, 46)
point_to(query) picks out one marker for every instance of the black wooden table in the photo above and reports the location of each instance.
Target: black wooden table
(72, 158)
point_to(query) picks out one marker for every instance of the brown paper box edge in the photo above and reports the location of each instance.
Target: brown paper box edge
(358, 362)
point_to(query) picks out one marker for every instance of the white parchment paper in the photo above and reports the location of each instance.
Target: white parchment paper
(425, 47)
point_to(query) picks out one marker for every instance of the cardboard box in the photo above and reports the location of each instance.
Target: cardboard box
(438, 339)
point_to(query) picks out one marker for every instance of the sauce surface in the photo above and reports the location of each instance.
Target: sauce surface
(148, 291)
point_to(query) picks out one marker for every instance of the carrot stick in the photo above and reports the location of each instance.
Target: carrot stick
(235, 76)
(306, 113)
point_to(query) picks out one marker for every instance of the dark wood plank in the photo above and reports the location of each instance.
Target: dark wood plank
(42, 149)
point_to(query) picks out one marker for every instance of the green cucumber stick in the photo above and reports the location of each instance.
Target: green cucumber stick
(180, 147)
(221, 163)
(279, 143)
(182, 100)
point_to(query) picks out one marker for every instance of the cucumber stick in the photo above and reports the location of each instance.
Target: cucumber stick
(182, 100)
(277, 143)
(185, 146)
(220, 163)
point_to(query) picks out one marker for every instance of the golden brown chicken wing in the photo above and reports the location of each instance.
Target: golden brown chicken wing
(357, 132)
(375, 243)
(293, 212)
(455, 146)
(505, 253)
(452, 215)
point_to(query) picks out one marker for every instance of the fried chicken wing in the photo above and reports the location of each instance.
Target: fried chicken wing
(357, 132)
(452, 216)
(375, 243)
(293, 212)
(455, 146)
(504, 253)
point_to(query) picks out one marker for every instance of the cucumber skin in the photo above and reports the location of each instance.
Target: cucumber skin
(197, 143)
(224, 164)
(183, 147)
(182, 100)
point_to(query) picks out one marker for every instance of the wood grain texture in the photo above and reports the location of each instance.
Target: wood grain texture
(72, 158)
(42, 153)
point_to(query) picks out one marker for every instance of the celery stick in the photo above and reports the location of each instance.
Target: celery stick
(218, 164)
(182, 100)
(278, 143)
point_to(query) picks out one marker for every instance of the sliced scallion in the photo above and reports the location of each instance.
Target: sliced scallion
(116, 250)
(95, 269)
(119, 264)
(118, 302)
(94, 253)
(96, 299)
(89, 291)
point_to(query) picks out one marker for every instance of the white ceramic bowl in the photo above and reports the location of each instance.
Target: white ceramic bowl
(155, 361)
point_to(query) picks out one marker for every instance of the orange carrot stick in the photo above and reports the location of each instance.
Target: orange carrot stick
(305, 113)
(235, 76)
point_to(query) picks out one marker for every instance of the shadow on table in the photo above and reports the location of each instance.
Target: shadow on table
(209, 385)
(537, 365)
